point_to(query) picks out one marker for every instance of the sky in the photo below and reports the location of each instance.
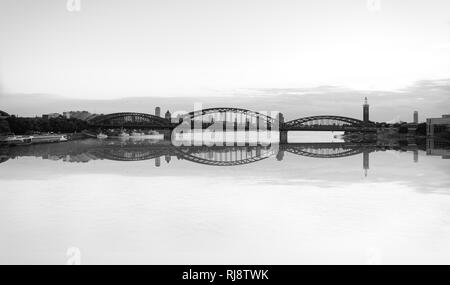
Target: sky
(117, 50)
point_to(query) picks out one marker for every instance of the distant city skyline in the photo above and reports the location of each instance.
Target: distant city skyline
(326, 100)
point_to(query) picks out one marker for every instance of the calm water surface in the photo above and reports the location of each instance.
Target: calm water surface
(148, 202)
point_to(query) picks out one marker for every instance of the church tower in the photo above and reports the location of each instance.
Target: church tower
(366, 111)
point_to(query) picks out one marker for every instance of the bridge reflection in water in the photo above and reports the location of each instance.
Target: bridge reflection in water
(129, 150)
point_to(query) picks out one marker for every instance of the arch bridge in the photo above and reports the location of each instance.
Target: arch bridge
(233, 119)
(328, 123)
(130, 120)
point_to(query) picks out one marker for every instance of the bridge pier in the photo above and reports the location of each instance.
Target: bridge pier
(167, 135)
(283, 137)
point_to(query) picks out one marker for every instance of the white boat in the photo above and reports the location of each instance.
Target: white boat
(137, 134)
(124, 135)
(34, 139)
(18, 140)
(48, 138)
(149, 135)
(102, 136)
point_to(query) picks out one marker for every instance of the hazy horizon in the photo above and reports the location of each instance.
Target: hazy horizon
(429, 98)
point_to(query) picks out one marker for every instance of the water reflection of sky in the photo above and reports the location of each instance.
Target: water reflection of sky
(298, 210)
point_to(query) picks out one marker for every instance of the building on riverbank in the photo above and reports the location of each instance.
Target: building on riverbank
(4, 125)
(438, 148)
(51, 116)
(436, 126)
(80, 115)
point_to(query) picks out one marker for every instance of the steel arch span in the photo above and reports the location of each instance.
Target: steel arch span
(212, 156)
(324, 153)
(328, 150)
(226, 156)
(127, 155)
(250, 113)
(302, 121)
(129, 119)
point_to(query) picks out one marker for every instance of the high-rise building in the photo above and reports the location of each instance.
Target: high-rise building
(365, 111)
(416, 117)
(158, 111)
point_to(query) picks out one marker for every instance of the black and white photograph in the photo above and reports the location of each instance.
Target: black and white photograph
(224, 132)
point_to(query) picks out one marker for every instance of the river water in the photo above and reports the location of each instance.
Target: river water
(133, 202)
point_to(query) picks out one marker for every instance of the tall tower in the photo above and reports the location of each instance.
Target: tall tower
(158, 112)
(365, 162)
(366, 111)
(416, 117)
(168, 115)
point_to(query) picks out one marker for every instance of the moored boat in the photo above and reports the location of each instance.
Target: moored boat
(137, 134)
(48, 138)
(14, 140)
(17, 140)
(102, 136)
(149, 135)
(124, 134)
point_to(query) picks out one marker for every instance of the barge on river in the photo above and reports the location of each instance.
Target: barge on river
(13, 140)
